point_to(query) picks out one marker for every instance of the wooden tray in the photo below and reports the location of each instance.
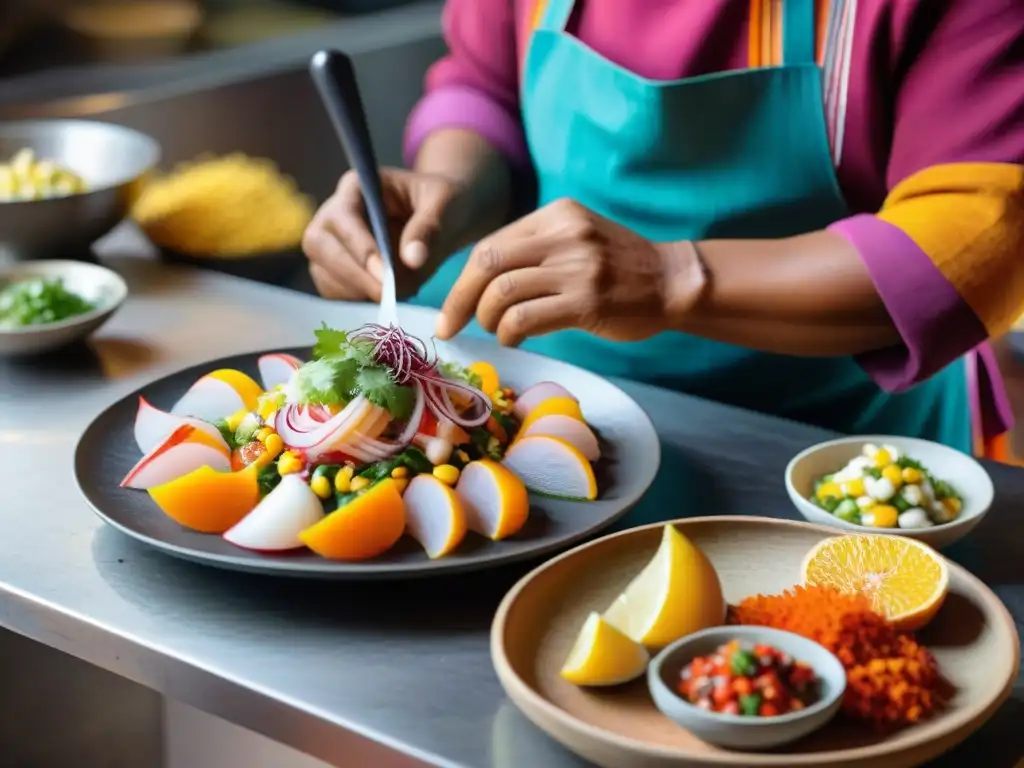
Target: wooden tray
(973, 638)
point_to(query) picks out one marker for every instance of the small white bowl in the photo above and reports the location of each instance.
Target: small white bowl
(961, 471)
(738, 731)
(94, 283)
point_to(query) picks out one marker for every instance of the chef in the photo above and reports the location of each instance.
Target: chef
(810, 208)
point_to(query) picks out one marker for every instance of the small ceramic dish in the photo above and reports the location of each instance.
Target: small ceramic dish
(973, 638)
(738, 731)
(99, 285)
(961, 471)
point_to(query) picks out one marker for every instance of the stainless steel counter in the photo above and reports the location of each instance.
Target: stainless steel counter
(380, 675)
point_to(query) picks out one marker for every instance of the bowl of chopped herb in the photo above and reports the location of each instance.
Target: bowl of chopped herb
(889, 484)
(45, 305)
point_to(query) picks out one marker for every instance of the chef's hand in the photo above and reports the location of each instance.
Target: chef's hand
(564, 267)
(343, 255)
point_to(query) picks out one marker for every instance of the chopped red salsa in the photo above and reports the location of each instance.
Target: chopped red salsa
(757, 681)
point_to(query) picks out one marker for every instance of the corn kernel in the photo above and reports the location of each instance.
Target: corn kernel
(447, 474)
(882, 458)
(321, 486)
(359, 484)
(894, 475)
(400, 472)
(274, 445)
(262, 434)
(881, 516)
(401, 484)
(911, 475)
(290, 463)
(826, 490)
(462, 456)
(265, 406)
(343, 480)
(235, 419)
(854, 487)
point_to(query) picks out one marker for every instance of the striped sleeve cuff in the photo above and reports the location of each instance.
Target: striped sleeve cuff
(936, 325)
(463, 107)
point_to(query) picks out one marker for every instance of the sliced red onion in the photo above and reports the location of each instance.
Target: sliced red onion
(300, 429)
(408, 360)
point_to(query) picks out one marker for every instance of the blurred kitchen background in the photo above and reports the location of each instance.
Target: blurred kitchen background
(36, 35)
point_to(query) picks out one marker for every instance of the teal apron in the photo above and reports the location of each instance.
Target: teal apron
(738, 154)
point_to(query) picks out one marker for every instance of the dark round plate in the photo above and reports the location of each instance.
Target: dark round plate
(107, 451)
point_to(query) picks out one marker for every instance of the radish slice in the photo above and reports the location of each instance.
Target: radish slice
(495, 500)
(277, 369)
(153, 426)
(434, 515)
(175, 457)
(533, 396)
(209, 399)
(573, 431)
(276, 522)
(551, 466)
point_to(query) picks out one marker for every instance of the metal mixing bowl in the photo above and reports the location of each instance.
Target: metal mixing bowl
(112, 160)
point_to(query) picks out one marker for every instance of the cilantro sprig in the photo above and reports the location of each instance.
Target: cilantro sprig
(343, 368)
(455, 372)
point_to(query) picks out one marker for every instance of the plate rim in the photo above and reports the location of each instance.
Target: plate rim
(964, 723)
(344, 571)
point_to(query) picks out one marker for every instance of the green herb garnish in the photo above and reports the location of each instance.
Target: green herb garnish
(905, 462)
(750, 704)
(344, 368)
(412, 458)
(829, 503)
(268, 478)
(848, 510)
(39, 302)
(227, 433)
(507, 423)
(455, 372)
(944, 490)
(743, 664)
(336, 345)
(379, 387)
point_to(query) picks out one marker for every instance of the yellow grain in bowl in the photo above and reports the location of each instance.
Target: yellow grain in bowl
(224, 207)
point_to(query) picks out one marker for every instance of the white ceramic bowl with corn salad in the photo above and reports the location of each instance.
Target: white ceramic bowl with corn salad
(66, 183)
(889, 484)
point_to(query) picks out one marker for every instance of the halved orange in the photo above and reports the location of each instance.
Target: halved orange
(366, 527)
(209, 501)
(905, 580)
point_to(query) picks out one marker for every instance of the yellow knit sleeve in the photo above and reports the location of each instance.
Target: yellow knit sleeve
(969, 219)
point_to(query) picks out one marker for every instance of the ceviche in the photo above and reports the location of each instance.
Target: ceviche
(371, 439)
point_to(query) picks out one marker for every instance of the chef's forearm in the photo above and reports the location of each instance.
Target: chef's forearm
(808, 295)
(482, 173)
